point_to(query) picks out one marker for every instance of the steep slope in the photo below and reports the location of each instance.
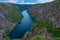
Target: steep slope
(47, 18)
(9, 16)
(47, 11)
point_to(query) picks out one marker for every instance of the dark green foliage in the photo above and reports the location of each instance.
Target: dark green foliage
(40, 25)
(56, 33)
(57, 38)
(7, 38)
(14, 15)
(57, 2)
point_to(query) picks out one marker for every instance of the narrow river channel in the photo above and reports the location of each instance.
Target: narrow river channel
(23, 26)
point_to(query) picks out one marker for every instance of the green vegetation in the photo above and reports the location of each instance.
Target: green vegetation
(57, 38)
(54, 32)
(14, 15)
(7, 31)
(37, 37)
(57, 2)
(15, 39)
(7, 38)
(39, 25)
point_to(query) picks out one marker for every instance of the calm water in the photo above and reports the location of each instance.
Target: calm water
(23, 27)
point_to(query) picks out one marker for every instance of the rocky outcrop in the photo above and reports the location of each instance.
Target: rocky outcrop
(48, 11)
(1, 34)
(9, 16)
(42, 32)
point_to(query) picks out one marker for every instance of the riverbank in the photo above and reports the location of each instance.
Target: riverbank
(48, 12)
(9, 17)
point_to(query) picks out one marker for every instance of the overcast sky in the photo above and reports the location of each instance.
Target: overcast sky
(26, 1)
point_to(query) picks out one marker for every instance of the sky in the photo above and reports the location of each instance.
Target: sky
(26, 1)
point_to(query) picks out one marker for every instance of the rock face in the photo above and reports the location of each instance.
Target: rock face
(1, 34)
(47, 11)
(9, 16)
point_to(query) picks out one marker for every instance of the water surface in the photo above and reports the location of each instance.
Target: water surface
(23, 27)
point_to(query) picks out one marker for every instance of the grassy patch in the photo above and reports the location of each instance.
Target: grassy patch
(57, 38)
(54, 32)
(14, 15)
(7, 38)
(39, 25)
(15, 39)
(7, 31)
(37, 37)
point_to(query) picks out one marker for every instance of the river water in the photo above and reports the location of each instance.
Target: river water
(22, 27)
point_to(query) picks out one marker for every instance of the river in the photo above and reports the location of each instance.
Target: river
(22, 27)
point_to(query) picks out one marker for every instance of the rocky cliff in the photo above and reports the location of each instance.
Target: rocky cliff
(47, 23)
(48, 11)
(9, 16)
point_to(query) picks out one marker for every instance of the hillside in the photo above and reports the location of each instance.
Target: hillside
(47, 11)
(9, 17)
(47, 18)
